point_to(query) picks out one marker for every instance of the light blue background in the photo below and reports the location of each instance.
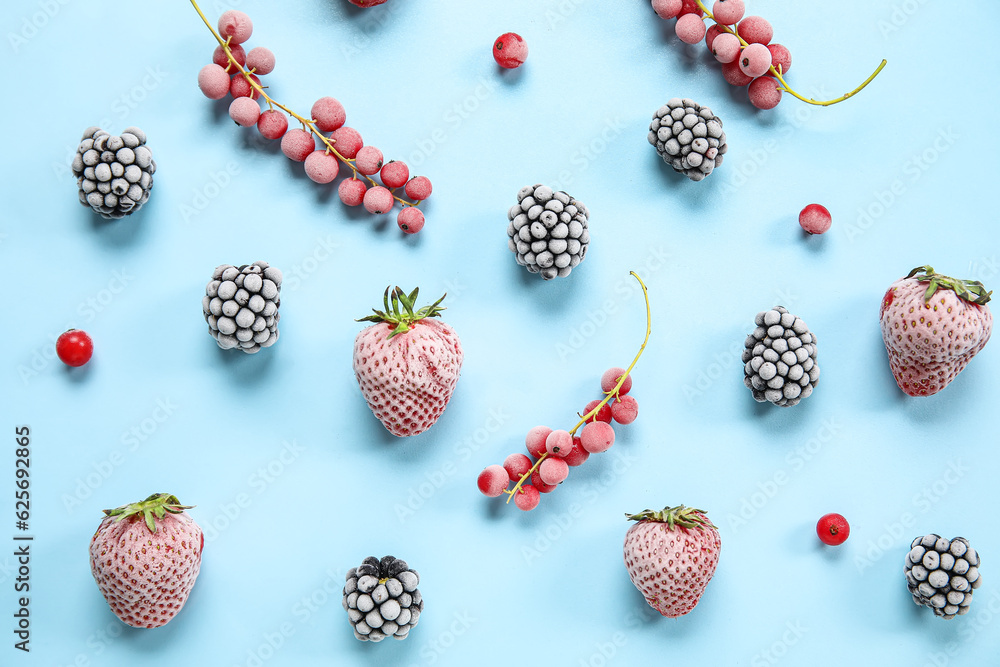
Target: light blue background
(501, 586)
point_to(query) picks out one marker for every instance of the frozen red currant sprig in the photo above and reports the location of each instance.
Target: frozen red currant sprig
(743, 46)
(554, 452)
(237, 73)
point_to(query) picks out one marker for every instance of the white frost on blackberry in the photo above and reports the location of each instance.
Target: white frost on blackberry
(548, 231)
(942, 574)
(241, 306)
(381, 599)
(780, 358)
(114, 174)
(688, 137)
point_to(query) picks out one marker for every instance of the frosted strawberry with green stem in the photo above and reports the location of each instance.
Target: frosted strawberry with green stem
(932, 326)
(407, 363)
(555, 451)
(671, 555)
(145, 558)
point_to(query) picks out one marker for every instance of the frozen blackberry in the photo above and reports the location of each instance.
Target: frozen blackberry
(241, 306)
(548, 231)
(688, 137)
(114, 174)
(381, 599)
(942, 574)
(780, 358)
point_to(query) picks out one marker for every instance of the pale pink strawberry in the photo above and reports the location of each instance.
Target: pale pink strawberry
(932, 326)
(406, 364)
(145, 558)
(671, 556)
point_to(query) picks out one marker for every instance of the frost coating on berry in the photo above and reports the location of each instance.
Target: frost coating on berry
(781, 57)
(146, 576)
(236, 25)
(553, 470)
(352, 191)
(516, 466)
(728, 12)
(527, 498)
(394, 174)
(369, 160)
(298, 144)
(418, 188)
(114, 175)
(815, 219)
(410, 219)
(611, 377)
(322, 167)
(548, 231)
(690, 29)
(240, 87)
(510, 50)
(329, 114)
(755, 30)
(688, 137)
(272, 124)
(378, 200)
(493, 480)
(244, 111)
(597, 437)
(241, 306)
(667, 9)
(754, 60)
(733, 75)
(381, 599)
(765, 94)
(625, 410)
(239, 55)
(213, 82)
(942, 574)
(780, 358)
(260, 60)
(726, 47)
(347, 141)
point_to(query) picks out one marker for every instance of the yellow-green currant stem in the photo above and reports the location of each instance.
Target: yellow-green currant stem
(778, 73)
(308, 124)
(610, 394)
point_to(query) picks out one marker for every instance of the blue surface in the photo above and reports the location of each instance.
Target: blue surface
(293, 478)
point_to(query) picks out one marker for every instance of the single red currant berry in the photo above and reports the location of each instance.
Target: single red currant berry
(329, 114)
(493, 480)
(74, 348)
(833, 529)
(815, 219)
(754, 60)
(713, 31)
(322, 167)
(537, 482)
(347, 141)
(244, 111)
(553, 470)
(418, 188)
(240, 87)
(272, 124)
(535, 440)
(780, 56)
(516, 465)
(378, 200)
(667, 9)
(577, 455)
(690, 28)
(510, 50)
(297, 144)
(260, 60)
(213, 81)
(410, 219)
(597, 437)
(368, 160)
(604, 414)
(625, 410)
(527, 498)
(352, 191)
(610, 378)
(755, 30)
(559, 443)
(394, 174)
(764, 92)
(235, 25)
(728, 12)
(220, 58)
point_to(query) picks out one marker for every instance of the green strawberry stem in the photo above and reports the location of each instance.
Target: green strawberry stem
(403, 318)
(972, 291)
(685, 517)
(614, 392)
(156, 505)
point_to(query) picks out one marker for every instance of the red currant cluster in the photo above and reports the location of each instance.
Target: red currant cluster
(743, 46)
(554, 452)
(236, 72)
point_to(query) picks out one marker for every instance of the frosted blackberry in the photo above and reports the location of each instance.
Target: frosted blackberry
(241, 306)
(548, 231)
(114, 174)
(688, 137)
(942, 574)
(381, 599)
(780, 358)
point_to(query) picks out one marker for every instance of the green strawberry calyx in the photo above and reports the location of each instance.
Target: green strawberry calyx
(680, 516)
(154, 507)
(972, 291)
(401, 314)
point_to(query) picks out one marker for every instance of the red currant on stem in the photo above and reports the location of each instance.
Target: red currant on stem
(595, 436)
(74, 347)
(833, 529)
